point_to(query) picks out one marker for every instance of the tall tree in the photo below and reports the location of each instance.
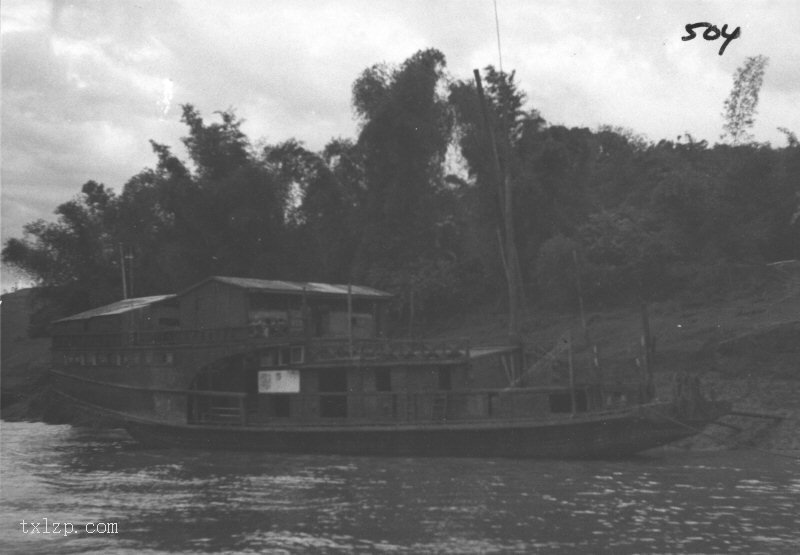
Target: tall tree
(405, 131)
(497, 140)
(74, 259)
(331, 209)
(740, 106)
(235, 217)
(218, 148)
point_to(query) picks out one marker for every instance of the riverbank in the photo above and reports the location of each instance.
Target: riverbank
(765, 415)
(744, 348)
(25, 360)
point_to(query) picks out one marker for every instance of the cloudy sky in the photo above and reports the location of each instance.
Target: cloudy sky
(86, 84)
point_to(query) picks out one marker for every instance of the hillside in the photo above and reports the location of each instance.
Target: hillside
(24, 359)
(745, 348)
(756, 331)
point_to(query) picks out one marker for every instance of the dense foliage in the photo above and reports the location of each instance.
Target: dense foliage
(413, 206)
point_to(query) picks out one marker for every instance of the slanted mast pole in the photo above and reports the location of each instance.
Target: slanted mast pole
(122, 268)
(572, 399)
(350, 318)
(647, 352)
(509, 248)
(129, 258)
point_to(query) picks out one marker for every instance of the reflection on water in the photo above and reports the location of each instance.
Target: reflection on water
(197, 501)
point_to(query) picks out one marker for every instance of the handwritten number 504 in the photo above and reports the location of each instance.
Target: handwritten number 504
(712, 33)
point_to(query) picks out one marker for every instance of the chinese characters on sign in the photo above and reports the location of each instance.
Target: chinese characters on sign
(279, 381)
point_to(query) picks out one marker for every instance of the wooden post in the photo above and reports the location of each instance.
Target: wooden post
(598, 374)
(305, 316)
(350, 319)
(411, 314)
(580, 295)
(571, 374)
(646, 352)
(129, 258)
(192, 399)
(124, 278)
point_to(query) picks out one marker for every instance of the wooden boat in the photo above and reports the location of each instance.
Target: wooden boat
(237, 363)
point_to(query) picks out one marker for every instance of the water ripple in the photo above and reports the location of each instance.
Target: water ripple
(206, 502)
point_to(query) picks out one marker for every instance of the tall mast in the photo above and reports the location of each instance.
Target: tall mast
(508, 245)
(122, 268)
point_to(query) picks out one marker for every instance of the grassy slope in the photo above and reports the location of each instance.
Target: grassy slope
(745, 349)
(757, 332)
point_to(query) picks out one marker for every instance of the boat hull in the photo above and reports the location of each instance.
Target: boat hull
(615, 435)
(602, 439)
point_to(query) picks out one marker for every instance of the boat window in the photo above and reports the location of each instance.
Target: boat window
(562, 402)
(333, 380)
(281, 406)
(298, 355)
(444, 379)
(272, 301)
(321, 320)
(333, 406)
(286, 356)
(267, 359)
(383, 379)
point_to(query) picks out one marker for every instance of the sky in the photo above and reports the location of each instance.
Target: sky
(87, 84)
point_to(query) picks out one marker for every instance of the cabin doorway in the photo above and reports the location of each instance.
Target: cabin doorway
(225, 390)
(445, 383)
(333, 393)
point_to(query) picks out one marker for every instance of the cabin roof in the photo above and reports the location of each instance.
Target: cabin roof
(118, 307)
(296, 287)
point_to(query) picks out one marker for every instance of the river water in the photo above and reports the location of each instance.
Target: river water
(165, 501)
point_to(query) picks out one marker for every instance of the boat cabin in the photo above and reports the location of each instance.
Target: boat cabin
(253, 352)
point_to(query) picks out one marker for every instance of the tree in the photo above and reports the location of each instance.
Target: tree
(627, 253)
(740, 107)
(74, 259)
(504, 103)
(498, 139)
(330, 213)
(216, 149)
(231, 213)
(405, 132)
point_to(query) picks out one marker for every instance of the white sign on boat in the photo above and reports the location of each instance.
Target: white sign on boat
(279, 381)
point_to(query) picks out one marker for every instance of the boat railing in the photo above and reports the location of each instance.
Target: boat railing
(400, 408)
(145, 338)
(332, 350)
(320, 350)
(217, 407)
